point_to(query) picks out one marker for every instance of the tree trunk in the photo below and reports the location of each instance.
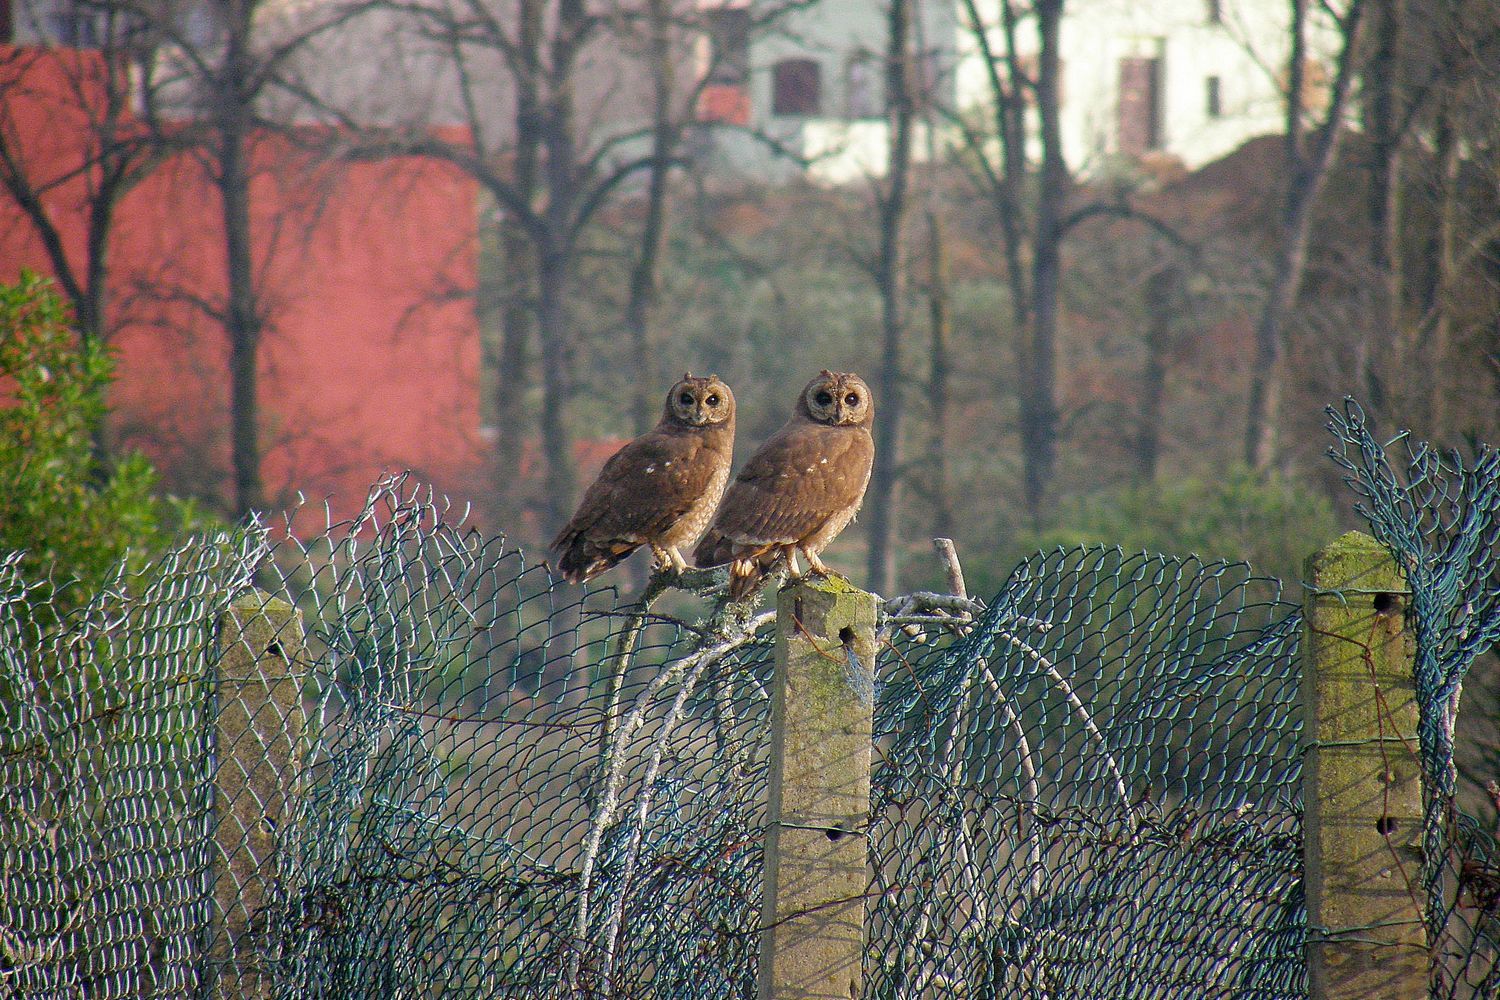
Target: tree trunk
(1383, 111)
(1163, 292)
(891, 278)
(557, 443)
(643, 276)
(92, 317)
(1437, 309)
(241, 320)
(554, 254)
(1009, 130)
(512, 421)
(1039, 389)
(1305, 174)
(939, 402)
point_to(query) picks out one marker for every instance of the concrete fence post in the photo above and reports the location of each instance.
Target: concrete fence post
(262, 666)
(813, 933)
(1361, 785)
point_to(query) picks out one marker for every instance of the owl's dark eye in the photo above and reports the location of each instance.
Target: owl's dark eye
(686, 399)
(824, 398)
(712, 400)
(852, 399)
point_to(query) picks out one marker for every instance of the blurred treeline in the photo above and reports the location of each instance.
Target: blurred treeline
(1134, 354)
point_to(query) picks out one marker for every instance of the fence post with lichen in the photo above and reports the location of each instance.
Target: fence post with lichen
(1362, 789)
(259, 719)
(813, 916)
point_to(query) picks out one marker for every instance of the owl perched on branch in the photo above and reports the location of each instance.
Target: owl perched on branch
(800, 489)
(660, 489)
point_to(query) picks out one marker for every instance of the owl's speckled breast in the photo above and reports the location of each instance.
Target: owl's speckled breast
(692, 524)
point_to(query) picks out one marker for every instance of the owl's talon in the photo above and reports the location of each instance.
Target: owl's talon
(818, 566)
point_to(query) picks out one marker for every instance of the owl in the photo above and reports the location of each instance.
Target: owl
(800, 489)
(660, 489)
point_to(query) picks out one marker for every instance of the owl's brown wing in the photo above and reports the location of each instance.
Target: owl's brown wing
(643, 490)
(798, 479)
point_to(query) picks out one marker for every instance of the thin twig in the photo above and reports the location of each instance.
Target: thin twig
(948, 553)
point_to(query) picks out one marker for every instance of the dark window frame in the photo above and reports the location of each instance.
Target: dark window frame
(797, 87)
(1138, 115)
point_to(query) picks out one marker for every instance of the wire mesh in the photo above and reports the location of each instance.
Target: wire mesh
(1094, 794)
(1439, 514)
(393, 757)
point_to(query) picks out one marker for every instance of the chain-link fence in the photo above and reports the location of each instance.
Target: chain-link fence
(394, 758)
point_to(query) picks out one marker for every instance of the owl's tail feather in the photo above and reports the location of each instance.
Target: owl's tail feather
(745, 575)
(713, 549)
(748, 566)
(584, 558)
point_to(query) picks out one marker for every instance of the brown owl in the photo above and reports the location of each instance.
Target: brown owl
(800, 489)
(658, 490)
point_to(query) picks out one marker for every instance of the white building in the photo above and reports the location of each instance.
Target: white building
(1185, 79)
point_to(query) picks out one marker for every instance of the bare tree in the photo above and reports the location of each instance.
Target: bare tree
(1383, 113)
(1039, 386)
(216, 71)
(1163, 295)
(890, 279)
(1308, 155)
(93, 89)
(666, 133)
(570, 142)
(1430, 89)
(1031, 227)
(939, 376)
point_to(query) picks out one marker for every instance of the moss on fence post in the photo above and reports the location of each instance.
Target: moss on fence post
(261, 669)
(813, 916)
(1362, 792)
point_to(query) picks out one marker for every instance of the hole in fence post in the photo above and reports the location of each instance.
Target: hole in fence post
(1385, 826)
(846, 636)
(834, 833)
(1386, 604)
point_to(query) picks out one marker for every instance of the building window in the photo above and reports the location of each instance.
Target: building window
(1215, 11)
(796, 87)
(1214, 99)
(729, 45)
(1139, 108)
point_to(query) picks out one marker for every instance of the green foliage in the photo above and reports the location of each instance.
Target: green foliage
(72, 518)
(1269, 521)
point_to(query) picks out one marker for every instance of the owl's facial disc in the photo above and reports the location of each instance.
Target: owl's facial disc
(838, 398)
(698, 402)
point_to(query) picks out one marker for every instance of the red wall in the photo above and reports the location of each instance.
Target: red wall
(370, 359)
